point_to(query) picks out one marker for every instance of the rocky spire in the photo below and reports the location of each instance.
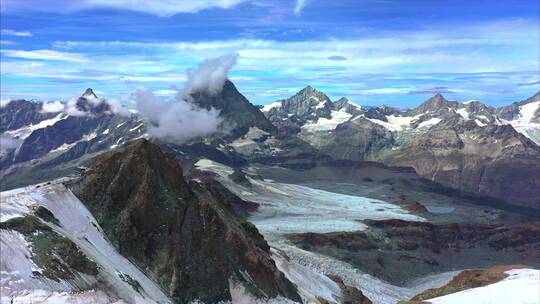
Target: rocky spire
(89, 93)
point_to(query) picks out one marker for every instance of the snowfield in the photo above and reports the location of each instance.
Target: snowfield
(522, 286)
(77, 223)
(325, 124)
(395, 123)
(288, 208)
(25, 131)
(524, 125)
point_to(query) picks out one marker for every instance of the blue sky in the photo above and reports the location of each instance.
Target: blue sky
(372, 51)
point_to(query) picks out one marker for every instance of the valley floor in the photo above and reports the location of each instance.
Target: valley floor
(293, 202)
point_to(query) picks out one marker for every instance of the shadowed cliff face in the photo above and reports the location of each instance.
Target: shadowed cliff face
(238, 113)
(186, 235)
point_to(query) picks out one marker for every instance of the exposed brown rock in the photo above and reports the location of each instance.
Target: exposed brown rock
(182, 233)
(350, 295)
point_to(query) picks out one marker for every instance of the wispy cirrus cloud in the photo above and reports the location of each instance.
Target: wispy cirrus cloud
(162, 8)
(8, 32)
(7, 42)
(300, 4)
(45, 55)
(165, 8)
(477, 64)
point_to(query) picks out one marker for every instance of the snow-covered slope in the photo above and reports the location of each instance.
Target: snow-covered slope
(522, 286)
(327, 124)
(525, 122)
(117, 277)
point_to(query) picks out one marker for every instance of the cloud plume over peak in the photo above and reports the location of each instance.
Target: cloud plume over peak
(210, 75)
(174, 121)
(180, 120)
(52, 107)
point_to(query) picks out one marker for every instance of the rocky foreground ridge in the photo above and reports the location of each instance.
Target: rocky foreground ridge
(184, 233)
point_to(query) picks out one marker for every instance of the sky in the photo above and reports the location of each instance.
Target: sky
(374, 52)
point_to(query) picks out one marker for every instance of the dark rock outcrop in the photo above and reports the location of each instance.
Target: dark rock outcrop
(238, 113)
(349, 294)
(20, 113)
(183, 234)
(398, 251)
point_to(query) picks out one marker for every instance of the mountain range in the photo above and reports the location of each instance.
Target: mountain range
(303, 200)
(467, 146)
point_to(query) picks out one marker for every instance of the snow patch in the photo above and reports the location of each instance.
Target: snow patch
(40, 296)
(137, 127)
(212, 166)
(396, 123)
(479, 122)
(463, 113)
(311, 285)
(274, 105)
(430, 122)
(25, 131)
(523, 123)
(89, 136)
(325, 124)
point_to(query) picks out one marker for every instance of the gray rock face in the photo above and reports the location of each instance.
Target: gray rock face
(493, 160)
(308, 104)
(436, 103)
(97, 130)
(19, 113)
(238, 113)
(512, 111)
(467, 146)
(356, 139)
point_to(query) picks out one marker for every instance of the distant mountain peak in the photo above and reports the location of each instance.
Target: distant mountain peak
(308, 88)
(89, 93)
(309, 91)
(438, 97)
(434, 103)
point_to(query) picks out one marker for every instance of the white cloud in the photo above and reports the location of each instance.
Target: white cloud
(175, 121)
(210, 75)
(385, 91)
(166, 92)
(7, 42)
(165, 8)
(300, 4)
(33, 65)
(4, 102)
(71, 108)
(45, 55)
(8, 32)
(117, 108)
(52, 107)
